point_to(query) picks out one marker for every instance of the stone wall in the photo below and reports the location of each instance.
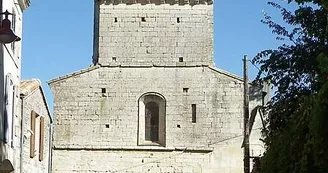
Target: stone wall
(155, 34)
(81, 108)
(90, 121)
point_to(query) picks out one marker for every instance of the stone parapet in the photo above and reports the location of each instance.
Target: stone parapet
(158, 2)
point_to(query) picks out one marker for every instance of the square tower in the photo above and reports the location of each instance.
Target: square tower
(153, 33)
(152, 102)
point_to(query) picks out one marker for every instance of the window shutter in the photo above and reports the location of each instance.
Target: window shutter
(8, 116)
(13, 125)
(41, 145)
(32, 139)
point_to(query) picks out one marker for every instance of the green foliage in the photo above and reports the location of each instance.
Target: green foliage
(297, 130)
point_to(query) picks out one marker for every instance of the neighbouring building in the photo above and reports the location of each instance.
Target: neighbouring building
(34, 132)
(25, 122)
(153, 100)
(10, 73)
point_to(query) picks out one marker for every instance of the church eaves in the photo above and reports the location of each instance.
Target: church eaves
(220, 71)
(157, 2)
(72, 74)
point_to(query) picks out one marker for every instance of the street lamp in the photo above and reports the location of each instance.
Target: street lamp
(6, 34)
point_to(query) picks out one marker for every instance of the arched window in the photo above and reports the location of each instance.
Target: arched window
(151, 130)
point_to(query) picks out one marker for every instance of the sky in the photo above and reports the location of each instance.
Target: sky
(58, 36)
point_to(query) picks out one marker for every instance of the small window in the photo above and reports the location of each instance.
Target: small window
(185, 90)
(115, 19)
(13, 27)
(178, 19)
(114, 58)
(193, 109)
(103, 90)
(180, 59)
(143, 19)
(13, 21)
(107, 126)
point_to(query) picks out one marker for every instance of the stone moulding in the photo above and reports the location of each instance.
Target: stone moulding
(157, 2)
(234, 76)
(140, 148)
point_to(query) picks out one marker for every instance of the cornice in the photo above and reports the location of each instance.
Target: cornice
(157, 2)
(24, 4)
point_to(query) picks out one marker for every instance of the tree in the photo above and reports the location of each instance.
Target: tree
(297, 124)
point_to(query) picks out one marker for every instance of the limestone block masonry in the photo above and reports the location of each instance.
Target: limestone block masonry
(155, 34)
(150, 54)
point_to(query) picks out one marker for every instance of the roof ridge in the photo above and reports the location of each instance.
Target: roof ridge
(224, 72)
(72, 74)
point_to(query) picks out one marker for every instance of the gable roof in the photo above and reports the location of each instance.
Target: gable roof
(221, 71)
(72, 74)
(226, 73)
(28, 87)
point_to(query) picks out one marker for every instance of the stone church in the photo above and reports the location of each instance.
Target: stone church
(153, 100)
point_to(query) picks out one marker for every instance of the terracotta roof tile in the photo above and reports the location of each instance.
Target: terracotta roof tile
(29, 86)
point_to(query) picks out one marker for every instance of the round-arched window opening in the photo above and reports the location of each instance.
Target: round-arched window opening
(151, 119)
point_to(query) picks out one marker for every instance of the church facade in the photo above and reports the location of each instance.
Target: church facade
(153, 100)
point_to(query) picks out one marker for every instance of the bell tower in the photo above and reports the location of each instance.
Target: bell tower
(152, 102)
(153, 33)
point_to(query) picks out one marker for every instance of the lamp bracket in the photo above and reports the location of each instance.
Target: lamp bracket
(6, 13)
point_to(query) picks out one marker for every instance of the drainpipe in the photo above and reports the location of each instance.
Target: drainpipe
(50, 148)
(22, 96)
